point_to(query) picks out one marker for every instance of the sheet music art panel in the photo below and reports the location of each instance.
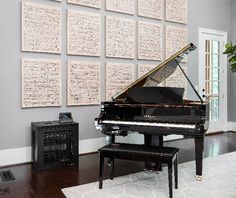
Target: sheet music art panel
(41, 28)
(149, 41)
(124, 6)
(145, 68)
(177, 79)
(176, 11)
(120, 37)
(89, 3)
(118, 76)
(151, 8)
(41, 82)
(83, 83)
(83, 33)
(176, 39)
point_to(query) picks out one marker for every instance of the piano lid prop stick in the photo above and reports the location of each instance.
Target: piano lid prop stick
(190, 82)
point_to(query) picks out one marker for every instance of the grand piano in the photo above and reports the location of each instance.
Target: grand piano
(155, 111)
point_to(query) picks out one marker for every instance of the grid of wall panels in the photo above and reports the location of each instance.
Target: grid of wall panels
(118, 33)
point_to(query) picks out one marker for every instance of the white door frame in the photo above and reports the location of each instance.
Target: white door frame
(203, 34)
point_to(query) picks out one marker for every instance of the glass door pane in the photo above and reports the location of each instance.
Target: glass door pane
(212, 78)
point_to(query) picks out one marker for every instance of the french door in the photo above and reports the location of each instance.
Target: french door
(213, 76)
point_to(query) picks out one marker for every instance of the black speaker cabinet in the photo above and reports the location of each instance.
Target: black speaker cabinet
(54, 144)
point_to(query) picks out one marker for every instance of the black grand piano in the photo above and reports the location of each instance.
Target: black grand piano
(154, 111)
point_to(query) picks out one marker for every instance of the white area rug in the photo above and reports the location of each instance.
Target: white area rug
(219, 181)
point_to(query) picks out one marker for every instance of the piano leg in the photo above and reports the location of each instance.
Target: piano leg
(110, 162)
(110, 139)
(154, 140)
(199, 146)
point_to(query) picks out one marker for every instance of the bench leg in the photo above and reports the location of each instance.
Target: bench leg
(176, 171)
(170, 179)
(112, 168)
(101, 166)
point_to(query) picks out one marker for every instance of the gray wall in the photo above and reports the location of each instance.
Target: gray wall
(15, 122)
(212, 14)
(232, 76)
(233, 20)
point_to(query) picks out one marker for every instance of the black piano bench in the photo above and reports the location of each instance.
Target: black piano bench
(137, 152)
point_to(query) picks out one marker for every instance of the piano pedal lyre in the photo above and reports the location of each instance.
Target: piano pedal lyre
(199, 177)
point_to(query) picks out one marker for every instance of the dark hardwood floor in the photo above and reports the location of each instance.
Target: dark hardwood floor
(48, 184)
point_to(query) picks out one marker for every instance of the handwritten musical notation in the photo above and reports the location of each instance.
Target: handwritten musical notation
(160, 75)
(177, 79)
(41, 28)
(83, 33)
(145, 68)
(89, 3)
(176, 39)
(118, 76)
(151, 8)
(41, 32)
(83, 83)
(124, 6)
(41, 82)
(176, 11)
(149, 41)
(119, 37)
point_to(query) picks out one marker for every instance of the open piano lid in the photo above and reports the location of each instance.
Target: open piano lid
(159, 73)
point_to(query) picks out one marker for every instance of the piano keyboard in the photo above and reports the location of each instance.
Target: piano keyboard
(170, 125)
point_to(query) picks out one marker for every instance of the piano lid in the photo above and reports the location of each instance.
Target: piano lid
(159, 73)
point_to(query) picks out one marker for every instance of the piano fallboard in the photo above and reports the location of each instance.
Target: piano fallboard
(186, 119)
(186, 113)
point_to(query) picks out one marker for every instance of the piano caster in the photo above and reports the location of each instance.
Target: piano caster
(198, 177)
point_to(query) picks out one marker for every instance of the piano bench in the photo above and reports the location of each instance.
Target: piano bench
(137, 152)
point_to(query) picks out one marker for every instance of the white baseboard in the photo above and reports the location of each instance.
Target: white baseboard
(15, 156)
(231, 126)
(91, 145)
(24, 154)
(172, 137)
(131, 138)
